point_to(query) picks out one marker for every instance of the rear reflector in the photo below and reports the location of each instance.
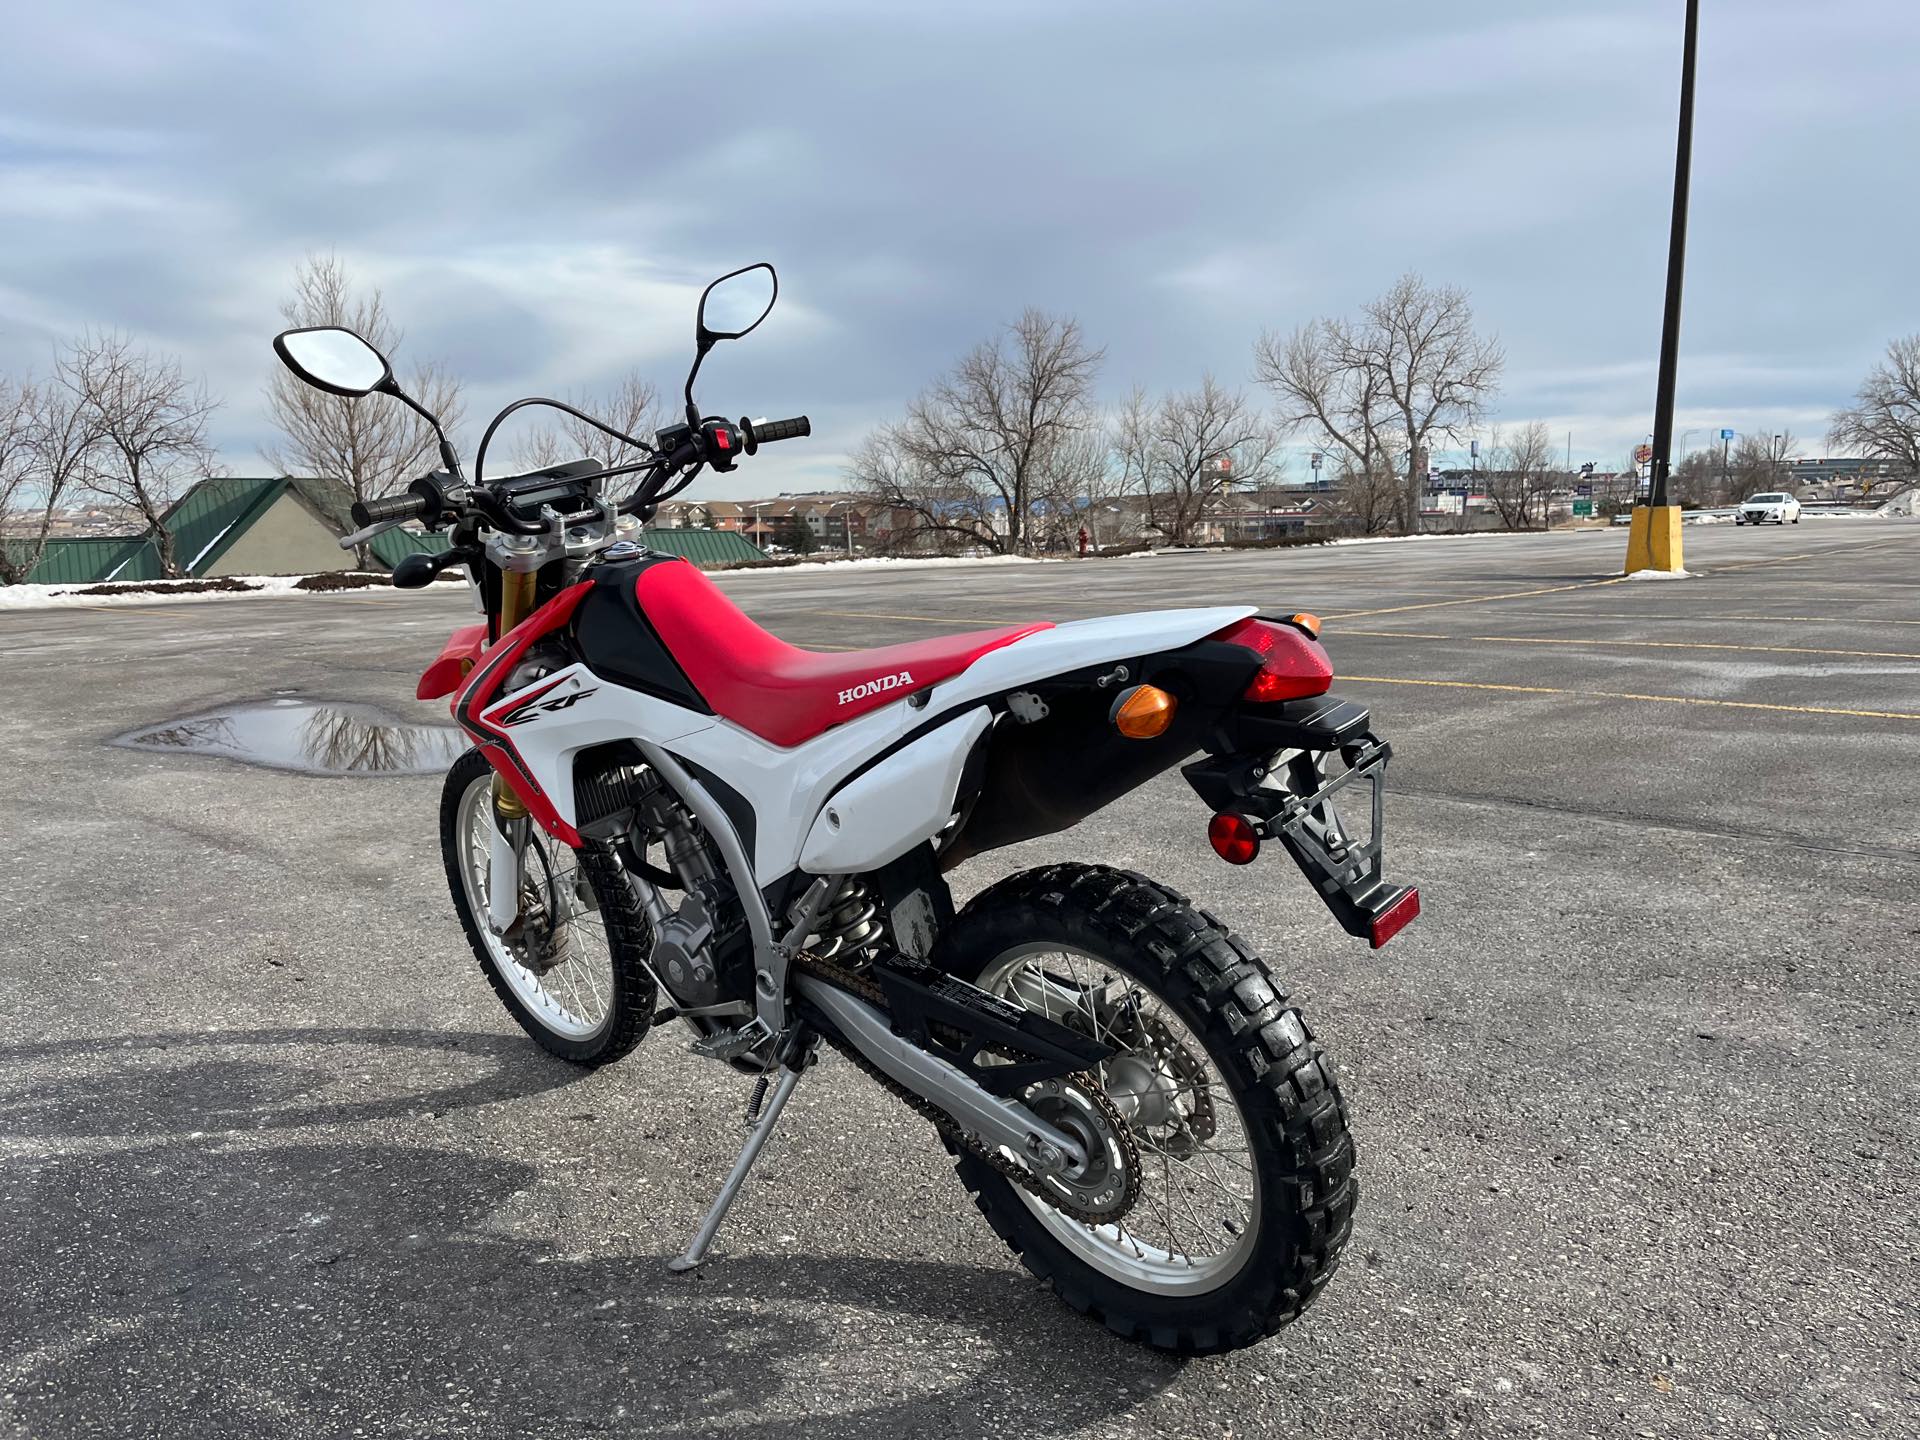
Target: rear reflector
(1395, 918)
(1233, 839)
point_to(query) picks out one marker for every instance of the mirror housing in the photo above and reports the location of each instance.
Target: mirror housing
(725, 315)
(334, 359)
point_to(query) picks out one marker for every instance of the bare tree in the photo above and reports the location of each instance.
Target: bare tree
(999, 432)
(1186, 449)
(1366, 501)
(150, 426)
(1410, 367)
(1520, 476)
(1883, 423)
(26, 508)
(1760, 462)
(27, 499)
(373, 445)
(1698, 479)
(887, 472)
(631, 405)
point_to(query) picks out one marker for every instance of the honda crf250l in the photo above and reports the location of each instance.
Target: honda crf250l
(669, 813)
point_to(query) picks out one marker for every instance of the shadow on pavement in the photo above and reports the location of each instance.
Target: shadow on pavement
(336, 1289)
(177, 1084)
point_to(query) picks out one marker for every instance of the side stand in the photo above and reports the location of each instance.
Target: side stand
(797, 1056)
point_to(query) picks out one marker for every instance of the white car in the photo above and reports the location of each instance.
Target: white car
(1774, 506)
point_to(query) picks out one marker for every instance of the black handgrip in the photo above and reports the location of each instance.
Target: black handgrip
(388, 507)
(768, 431)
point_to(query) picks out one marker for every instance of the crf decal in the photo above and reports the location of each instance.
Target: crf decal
(875, 686)
(539, 705)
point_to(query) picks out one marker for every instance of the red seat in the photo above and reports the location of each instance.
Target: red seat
(782, 693)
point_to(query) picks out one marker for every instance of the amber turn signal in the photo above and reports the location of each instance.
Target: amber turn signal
(1143, 711)
(1306, 622)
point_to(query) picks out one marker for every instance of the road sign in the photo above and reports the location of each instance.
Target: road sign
(1726, 434)
(1583, 489)
(1473, 448)
(1582, 509)
(1643, 454)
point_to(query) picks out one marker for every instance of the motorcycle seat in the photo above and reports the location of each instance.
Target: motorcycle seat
(778, 691)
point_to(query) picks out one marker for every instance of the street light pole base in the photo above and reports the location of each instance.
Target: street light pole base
(1653, 539)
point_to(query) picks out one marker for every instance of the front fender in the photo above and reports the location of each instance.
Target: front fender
(460, 654)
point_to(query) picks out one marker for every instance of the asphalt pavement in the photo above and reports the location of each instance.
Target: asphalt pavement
(1635, 1099)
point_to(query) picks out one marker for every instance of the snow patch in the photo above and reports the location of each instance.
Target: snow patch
(1663, 575)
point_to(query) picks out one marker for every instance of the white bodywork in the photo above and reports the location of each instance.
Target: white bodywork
(908, 797)
(790, 788)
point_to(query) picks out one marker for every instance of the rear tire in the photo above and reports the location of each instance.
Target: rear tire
(607, 1010)
(1287, 1106)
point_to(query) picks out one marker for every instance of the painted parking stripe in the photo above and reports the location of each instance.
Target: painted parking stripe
(1643, 644)
(1629, 695)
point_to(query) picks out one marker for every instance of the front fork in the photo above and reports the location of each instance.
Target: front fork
(509, 811)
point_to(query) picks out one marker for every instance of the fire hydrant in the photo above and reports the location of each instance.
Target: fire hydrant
(1084, 538)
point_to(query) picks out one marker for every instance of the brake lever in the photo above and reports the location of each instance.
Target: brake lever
(360, 537)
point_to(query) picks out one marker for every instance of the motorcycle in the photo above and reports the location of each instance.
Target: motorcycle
(670, 813)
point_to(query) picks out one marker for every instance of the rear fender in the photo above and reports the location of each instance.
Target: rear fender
(457, 657)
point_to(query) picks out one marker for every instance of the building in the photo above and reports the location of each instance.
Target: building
(284, 525)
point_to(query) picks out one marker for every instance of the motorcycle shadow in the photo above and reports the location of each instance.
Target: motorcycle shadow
(246, 1288)
(280, 1078)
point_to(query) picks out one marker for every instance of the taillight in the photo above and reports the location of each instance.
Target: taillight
(1233, 839)
(1395, 918)
(1292, 664)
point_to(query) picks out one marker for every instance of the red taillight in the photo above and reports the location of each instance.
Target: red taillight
(1292, 664)
(1395, 918)
(1233, 839)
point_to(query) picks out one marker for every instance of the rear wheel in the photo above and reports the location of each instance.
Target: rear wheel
(1244, 1190)
(572, 967)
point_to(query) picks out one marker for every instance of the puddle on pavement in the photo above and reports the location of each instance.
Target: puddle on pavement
(310, 736)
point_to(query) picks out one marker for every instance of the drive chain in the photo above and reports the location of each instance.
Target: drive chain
(1085, 1081)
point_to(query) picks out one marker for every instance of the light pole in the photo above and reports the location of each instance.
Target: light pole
(1654, 541)
(846, 521)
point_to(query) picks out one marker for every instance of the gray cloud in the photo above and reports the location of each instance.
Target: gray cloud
(540, 193)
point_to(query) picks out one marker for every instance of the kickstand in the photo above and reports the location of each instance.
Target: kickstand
(797, 1054)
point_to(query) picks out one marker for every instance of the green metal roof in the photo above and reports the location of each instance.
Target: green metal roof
(213, 515)
(703, 547)
(83, 560)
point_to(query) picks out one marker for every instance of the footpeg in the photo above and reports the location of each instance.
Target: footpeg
(732, 1044)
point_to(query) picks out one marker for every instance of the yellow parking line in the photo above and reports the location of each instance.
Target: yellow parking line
(1706, 618)
(1475, 599)
(1629, 695)
(1644, 644)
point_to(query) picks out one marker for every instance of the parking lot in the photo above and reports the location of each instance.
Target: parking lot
(1635, 1099)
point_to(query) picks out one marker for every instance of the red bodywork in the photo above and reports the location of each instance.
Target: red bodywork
(783, 694)
(460, 654)
(478, 712)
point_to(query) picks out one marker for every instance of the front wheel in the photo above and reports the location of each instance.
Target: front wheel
(1243, 1187)
(572, 968)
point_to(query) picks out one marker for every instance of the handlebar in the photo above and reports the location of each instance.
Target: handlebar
(768, 431)
(385, 508)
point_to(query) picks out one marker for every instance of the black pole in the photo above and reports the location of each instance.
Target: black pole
(1676, 265)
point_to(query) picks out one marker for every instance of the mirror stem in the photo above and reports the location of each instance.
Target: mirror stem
(448, 459)
(701, 346)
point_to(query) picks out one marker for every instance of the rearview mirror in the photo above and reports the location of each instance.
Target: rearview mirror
(736, 303)
(335, 360)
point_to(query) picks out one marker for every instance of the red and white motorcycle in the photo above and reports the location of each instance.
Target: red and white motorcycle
(670, 812)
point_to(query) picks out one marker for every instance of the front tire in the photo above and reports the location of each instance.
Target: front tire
(1271, 1091)
(575, 978)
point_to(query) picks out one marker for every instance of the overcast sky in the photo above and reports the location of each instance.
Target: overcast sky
(540, 190)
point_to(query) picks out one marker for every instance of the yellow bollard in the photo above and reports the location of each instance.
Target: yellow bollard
(1653, 539)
